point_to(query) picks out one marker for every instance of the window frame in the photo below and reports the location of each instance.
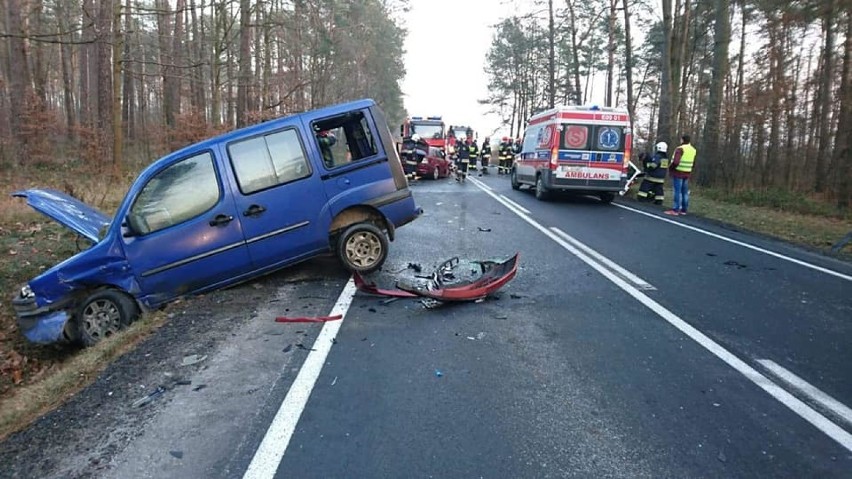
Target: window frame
(263, 135)
(371, 126)
(621, 138)
(563, 131)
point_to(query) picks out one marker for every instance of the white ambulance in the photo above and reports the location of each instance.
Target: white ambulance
(580, 149)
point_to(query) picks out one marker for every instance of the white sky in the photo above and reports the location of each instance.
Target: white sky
(437, 84)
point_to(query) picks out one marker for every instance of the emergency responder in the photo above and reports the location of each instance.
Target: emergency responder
(655, 167)
(681, 167)
(503, 155)
(510, 155)
(485, 155)
(326, 140)
(473, 149)
(463, 162)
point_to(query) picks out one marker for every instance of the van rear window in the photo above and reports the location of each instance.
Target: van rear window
(592, 137)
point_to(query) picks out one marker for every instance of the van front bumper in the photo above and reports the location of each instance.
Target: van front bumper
(41, 325)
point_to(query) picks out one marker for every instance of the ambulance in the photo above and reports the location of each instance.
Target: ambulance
(578, 149)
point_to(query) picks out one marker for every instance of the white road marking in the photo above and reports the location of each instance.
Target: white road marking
(804, 411)
(826, 401)
(516, 205)
(741, 243)
(268, 456)
(637, 281)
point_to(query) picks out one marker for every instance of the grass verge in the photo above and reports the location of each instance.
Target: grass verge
(25, 404)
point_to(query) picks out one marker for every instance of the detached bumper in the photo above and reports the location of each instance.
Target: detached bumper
(39, 325)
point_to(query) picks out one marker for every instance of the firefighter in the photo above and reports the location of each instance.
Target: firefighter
(510, 155)
(463, 161)
(655, 167)
(503, 155)
(485, 155)
(473, 149)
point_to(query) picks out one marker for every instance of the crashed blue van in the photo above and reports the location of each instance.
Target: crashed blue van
(222, 211)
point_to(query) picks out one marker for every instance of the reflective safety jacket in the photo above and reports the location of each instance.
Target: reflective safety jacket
(683, 161)
(474, 150)
(486, 149)
(656, 166)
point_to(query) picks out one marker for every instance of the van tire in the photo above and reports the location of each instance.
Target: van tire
(103, 314)
(607, 197)
(541, 192)
(362, 248)
(514, 180)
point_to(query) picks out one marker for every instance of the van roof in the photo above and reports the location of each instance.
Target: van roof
(592, 113)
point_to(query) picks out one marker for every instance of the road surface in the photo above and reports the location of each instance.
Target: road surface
(629, 345)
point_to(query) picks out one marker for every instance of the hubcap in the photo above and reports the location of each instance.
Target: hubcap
(101, 319)
(363, 249)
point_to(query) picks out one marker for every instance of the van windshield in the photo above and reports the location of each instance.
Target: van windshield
(593, 137)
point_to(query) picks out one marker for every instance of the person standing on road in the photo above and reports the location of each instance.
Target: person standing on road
(464, 160)
(681, 166)
(485, 154)
(501, 155)
(655, 167)
(473, 149)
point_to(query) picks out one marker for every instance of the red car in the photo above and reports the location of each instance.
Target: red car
(434, 165)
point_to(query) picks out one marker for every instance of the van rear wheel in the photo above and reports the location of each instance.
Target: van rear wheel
(514, 180)
(362, 248)
(541, 191)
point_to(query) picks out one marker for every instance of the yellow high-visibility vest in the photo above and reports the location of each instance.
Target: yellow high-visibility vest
(687, 158)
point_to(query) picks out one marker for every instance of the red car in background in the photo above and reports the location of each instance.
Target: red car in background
(434, 165)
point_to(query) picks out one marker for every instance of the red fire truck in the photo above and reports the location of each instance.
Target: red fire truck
(429, 129)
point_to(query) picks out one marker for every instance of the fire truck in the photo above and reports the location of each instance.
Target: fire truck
(429, 129)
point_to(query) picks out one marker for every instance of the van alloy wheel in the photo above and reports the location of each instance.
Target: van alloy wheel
(363, 248)
(104, 314)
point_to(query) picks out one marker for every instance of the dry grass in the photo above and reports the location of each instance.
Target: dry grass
(27, 403)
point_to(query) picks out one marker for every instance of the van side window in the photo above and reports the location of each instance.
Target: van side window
(575, 137)
(266, 161)
(180, 192)
(344, 139)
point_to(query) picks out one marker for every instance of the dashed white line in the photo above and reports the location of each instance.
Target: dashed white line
(268, 456)
(812, 392)
(637, 281)
(799, 407)
(740, 243)
(516, 205)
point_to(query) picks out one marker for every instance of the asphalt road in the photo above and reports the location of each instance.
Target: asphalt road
(657, 354)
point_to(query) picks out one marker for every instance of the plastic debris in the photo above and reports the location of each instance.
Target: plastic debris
(484, 230)
(199, 387)
(334, 381)
(304, 348)
(150, 397)
(287, 348)
(176, 454)
(313, 319)
(192, 359)
(438, 373)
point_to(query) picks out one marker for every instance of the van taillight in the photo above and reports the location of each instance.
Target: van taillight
(628, 149)
(554, 158)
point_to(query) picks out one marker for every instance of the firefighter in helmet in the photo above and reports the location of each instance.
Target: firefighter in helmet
(463, 161)
(655, 167)
(503, 155)
(485, 155)
(473, 149)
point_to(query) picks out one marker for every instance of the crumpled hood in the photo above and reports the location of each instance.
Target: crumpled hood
(67, 211)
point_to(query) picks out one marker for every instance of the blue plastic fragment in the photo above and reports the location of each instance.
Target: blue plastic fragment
(438, 373)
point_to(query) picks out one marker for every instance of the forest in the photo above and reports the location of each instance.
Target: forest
(761, 86)
(98, 82)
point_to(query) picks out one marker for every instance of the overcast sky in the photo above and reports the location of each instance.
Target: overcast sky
(439, 85)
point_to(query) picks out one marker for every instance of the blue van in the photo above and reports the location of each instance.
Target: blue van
(223, 211)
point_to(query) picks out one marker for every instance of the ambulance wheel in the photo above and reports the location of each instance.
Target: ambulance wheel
(607, 197)
(514, 180)
(541, 192)
(102, 315)
(362, 248)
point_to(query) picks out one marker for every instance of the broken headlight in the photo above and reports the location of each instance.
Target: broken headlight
(27, 292)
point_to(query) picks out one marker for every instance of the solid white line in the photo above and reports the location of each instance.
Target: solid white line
(740, 243)
(808, 390)
(639, 282)
(515, 204)
(268, 456)
(806, 412)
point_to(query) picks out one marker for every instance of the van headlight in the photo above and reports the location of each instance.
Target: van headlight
(27, 292)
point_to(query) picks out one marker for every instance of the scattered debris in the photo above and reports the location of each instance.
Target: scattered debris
(388, 301)
(721, 457)
(516, 296)
(480, 336)
(304, 348)
(199, 387)
(438, 373)
(183, 382)
(372, 310)
(150, 397)
(313, 319)
(192, 359)
(287, 348)
(335, 381)
(484, 230)
(710, 254)
(734, 263)
(416, 267)
(501, 316)
(177, 454)
(442, 286)
(471, 338)
(371, 288)
(364, 339)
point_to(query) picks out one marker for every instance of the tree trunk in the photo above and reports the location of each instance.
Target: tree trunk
(825, 98)
(664, 120)
(117, 48)
(575, 53)
(710, 139)
(628, 68)
(610, 63)
(19, 82)
(166, 60)
(842, 159)
(551, 70)
(104, 79)
(128, 104)
(65, 58)
(245, 62)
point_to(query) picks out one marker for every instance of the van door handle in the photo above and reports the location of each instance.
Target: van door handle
(220, 220)
(254, 210)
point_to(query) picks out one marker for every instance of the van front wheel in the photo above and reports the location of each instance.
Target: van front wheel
(104, 314)
(514, 179)
(362, 248)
